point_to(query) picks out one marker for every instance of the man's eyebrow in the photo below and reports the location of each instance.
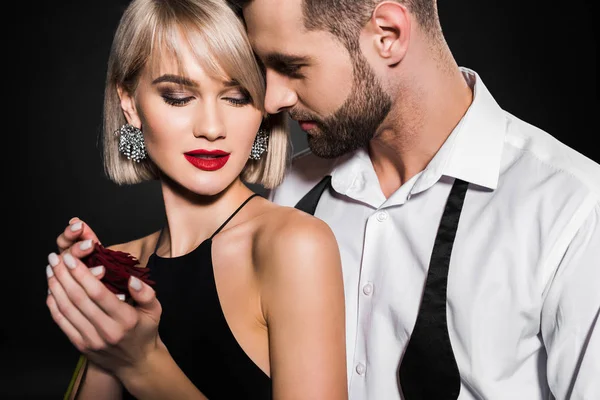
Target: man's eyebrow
(180, 80)
(273, 59)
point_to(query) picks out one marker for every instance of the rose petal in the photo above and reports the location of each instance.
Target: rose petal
(119, 266)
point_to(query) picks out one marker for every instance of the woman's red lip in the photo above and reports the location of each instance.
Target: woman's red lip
(207, 164)
(201, 152)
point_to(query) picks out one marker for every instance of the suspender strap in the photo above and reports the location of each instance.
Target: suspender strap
(428, 369)
(310, 200)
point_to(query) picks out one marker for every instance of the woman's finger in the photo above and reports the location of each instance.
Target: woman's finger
(82, 249)
(74, 304)
(111, 304)
(70, 235)
(77, 230)
(63, 323)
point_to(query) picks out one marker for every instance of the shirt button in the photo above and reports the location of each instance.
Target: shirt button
(368, 289)
(360, 369)
(382, 216)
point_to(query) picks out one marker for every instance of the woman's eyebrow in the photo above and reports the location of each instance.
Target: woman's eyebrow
(180, 80)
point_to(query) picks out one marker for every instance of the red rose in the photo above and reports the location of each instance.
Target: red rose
(118, 266)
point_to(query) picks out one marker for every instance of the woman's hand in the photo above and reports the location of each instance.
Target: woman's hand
(76, 230)
(119, 337)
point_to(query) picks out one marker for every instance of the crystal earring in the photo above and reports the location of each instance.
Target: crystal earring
(261, 142)
(131, 142)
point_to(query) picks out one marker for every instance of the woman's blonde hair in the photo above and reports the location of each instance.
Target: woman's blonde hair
(150, 29)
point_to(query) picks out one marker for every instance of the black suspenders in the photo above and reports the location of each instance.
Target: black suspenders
(428, 369)
(309, 202)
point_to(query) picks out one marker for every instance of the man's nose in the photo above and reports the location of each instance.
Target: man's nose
(280, 95)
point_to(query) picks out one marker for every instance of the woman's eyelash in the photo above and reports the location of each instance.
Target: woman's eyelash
(244, 98)
(181, 101)
(176, 101)
(239, 102)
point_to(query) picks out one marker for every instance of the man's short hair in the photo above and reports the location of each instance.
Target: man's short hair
(345, 18)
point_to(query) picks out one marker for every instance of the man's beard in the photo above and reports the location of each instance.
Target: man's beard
(355, 123)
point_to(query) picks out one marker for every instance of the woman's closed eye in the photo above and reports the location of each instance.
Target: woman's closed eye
(175, 99)
(238, 97)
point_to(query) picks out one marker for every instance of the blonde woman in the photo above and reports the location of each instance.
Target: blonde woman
(248, 299)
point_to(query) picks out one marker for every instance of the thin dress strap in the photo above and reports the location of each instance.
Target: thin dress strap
(233, 215)
(218, 230)
(159, 237)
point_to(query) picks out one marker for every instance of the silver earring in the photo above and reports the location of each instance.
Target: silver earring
(131, 142)
(261, 142)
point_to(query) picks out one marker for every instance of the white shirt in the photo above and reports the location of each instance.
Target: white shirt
(524, 280)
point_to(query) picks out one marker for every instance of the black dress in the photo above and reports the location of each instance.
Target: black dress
(195, 331)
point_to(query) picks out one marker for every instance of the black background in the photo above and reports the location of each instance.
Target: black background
(538, 61)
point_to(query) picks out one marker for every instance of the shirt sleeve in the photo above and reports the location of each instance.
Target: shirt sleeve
(570, 315)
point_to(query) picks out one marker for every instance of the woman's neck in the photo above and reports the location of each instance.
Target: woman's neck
(192, 218)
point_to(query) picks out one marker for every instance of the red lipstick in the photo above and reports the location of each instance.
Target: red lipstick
(207, 160)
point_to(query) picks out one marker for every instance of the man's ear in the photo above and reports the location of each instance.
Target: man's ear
(387, 33)
(128, 107)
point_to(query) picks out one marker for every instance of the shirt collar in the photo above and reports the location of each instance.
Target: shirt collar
(473, 150)
(353, 176)
(472, 153)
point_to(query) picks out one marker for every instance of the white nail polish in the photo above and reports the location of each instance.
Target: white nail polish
(49, 272)
(75, 227)
(69, 261)
(135, 283)
(121, 297)
(97, 270)
(53, 259)
(86, 244)
(49, 291)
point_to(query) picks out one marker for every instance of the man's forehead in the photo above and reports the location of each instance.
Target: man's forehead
(268, 7)
(274, 16)
(276, 30)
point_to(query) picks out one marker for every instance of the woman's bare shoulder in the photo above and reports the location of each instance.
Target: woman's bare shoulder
(299, 263)
(287, 232)
(278, 220)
